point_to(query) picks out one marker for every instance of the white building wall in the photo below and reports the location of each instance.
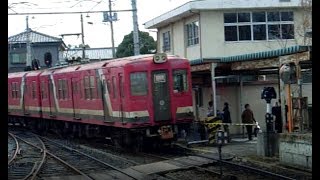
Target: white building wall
(214, 45)
(212, 37)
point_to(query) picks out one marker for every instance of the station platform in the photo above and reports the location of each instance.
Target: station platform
(244, 152)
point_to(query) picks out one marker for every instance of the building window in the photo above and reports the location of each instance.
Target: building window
(257, 26)
(180, 83)
(166, 41)
(138, 84)
(192, 33)
(18, 58)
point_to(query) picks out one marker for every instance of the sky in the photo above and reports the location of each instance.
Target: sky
(97, 34)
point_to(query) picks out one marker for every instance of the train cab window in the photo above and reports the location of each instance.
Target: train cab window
(180, 83)
(33, 90)
(138, 83)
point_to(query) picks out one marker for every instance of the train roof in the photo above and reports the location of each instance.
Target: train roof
(34, 73)
(16, 74)
(96, 65)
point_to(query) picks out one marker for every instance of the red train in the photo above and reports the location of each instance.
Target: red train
(131, 100)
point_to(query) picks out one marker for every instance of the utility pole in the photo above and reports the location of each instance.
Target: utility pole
(111, 26)
(136, 43)
(82, 36)
(28, 60)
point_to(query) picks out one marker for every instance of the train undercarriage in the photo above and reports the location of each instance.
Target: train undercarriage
(139, 138)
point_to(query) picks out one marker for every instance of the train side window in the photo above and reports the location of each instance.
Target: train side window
(121, 86)
(64, 89)
(98, 88)
(92, 88)
(12, 90)
(42, 90)
(138, 83)
(114, 85)
(60, 96)
(33, 90)
(180, 83)
(109, 86)
(17, 90)
(86, 88)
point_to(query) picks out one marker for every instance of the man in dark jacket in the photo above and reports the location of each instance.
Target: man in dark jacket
(248, 118)
(276, 111)
(226, 118)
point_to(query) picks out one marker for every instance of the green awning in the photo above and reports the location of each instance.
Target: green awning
(254, 56)
(265, 54)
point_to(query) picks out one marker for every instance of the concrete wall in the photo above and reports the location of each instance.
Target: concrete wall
(296, 150)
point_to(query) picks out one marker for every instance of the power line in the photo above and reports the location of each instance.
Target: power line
(75, 12)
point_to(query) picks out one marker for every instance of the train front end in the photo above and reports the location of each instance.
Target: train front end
(163, 87)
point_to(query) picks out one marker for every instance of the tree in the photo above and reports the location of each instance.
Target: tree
(147, 45)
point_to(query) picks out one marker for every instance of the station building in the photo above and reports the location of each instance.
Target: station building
(235, 48)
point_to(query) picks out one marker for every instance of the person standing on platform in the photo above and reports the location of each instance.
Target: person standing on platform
(248, 118)
(226, 119)
(210, 109)
(276, 111)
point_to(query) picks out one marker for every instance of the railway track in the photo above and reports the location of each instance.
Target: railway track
(40, 162)
(30, 161)
(13, 147)
(87, 160)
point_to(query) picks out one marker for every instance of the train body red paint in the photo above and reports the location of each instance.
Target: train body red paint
(134, 94)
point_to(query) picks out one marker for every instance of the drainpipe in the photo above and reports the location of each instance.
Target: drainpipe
(171, 39)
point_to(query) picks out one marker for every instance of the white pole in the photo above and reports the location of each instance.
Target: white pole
(214, 96)
(136, 43)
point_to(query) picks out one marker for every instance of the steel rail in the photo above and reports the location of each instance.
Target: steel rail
(57, 158)
(106, 164)
(16, 150)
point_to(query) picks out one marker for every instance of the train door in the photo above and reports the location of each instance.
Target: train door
(121, 95)
(27, 96)
(51, 96)
(75, 97)
(161, 98)
(24, 95)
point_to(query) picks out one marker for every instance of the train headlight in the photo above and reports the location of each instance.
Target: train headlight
(160, 58)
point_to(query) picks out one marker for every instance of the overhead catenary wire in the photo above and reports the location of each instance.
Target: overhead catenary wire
(74, 12)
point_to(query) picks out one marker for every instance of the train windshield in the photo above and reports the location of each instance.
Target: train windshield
(180, 82)
(139, 83)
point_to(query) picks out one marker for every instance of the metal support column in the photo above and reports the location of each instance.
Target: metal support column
(136, 43)
(28, 60)
(214, 95)
(112, 34)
